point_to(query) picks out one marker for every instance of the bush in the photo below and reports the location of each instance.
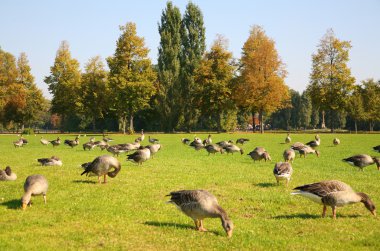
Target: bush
(28, 131)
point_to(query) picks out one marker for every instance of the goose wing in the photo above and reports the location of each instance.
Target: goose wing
(324, 188)
(282, 168)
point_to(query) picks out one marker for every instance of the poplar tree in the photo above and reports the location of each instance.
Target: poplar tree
(192, 49)
(169, 91)
(131, 76)
(371, 101)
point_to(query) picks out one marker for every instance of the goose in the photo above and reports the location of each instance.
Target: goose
(72, 143)
(92, 139)
(153, 140)
(308, 150)
(18, 143)
(207, 141)
(334, 193)
(24, 140)
(185, 141)
(377, 148)
(197, 140)
(314, 143)
(259, 153)
(102, 166)
(288, 139)
(142, 137)
(283, 171)
(336, 141)
(289, 155)
(89, 145)
(196, 146)
(115, 150)
(153, 149)
(198, 205)
(363, 160)
(224, 143)
(52, 161)
(44, 141)
(106, 139)
(56, 142)
(241, 141)
(233, 148)
(7, 174)
(139, 156)
(213, 148)
(297, 146)
(101, 144)
(34, 185)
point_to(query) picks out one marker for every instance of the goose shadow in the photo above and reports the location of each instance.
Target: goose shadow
(266, 184)
(175, 225)
(12, 204)
(85, 181)
(312, 216)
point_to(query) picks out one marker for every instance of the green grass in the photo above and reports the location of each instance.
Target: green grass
(130, 213)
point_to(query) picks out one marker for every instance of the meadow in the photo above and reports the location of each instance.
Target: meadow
(129, 212)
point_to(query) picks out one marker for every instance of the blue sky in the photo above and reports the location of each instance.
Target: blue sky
(91, 28)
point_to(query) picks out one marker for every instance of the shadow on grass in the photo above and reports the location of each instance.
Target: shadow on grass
(12, 204)
(313, 216)
(85, 181)
(174, 225)
(267, 184)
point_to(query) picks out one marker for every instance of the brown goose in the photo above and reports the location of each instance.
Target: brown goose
(233, 149)
(106, 139)
(101, 144)
(18, 143)
(185, 141)
(153, 149)
(336, 141)
(363, 160)
(72, 143)
(289, 155)
(308, 150)
(56, 142)
(196, 146)
(115, 150)
(52, 161)
(259, 153)
(207, 141)
(224, 143)
(34, 185)
(139, 156)
(7, 174)
(198, 205)
(213, 148)
(102, 165)
(334, 193)
(44, 141)
(297, 146)
(142, 137)
(89, 145)
(288, 139)
(283, 171)
(241, 141)
(314, 143)
(377, 148)
(153, 140)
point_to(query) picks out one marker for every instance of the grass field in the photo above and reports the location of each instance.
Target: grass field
(130, 213)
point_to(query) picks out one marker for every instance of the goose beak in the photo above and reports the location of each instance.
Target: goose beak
(374, 212)
(229, 233)
(24, 205)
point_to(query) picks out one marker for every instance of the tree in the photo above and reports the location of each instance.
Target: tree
(168, 90)
(371, 101)
(213, 77)
(330, 80)
(64, 83)
(261, 86)
(305, 110)
(131, 75)
(356, 107)
(192, 49)
(94, 91)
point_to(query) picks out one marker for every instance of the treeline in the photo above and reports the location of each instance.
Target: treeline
(190, 88)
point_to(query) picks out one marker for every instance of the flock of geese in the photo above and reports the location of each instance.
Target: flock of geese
(200, 204)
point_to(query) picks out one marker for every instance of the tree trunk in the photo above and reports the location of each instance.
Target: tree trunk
(123, 121)
(93, 125)
(332, 120)
(356, 127)
(323, 125)
(253, 122)
(371, 126)
(261, 116)
(131, 130)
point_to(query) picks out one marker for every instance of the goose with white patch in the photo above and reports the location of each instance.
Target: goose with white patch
(314, 143)
(52, 161)
(233, 149)
(308, 150)
(34, 185)
(153, 140)
(334, 193)
(153, 149)
(18, 143)
(7, 174)
(198, 205)
(139, 156)
(283, 171)
(363, 160)
(207, 141)
(242, 141)
(72, 143)
(288, 139)
(185, 141)
(297, 146)
(102, 166)
(56, 142)
(213, 148)
(336, 141)
(289, 155)
(44, 141)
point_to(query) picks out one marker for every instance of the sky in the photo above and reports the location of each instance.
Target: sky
(92, 27)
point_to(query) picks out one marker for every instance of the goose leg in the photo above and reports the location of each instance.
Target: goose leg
(202, 229)
(105, 178)
(196, 222)
(324, 211)
(45, 198)
(334, 212)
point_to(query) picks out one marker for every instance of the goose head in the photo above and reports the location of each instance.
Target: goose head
(228, 227)
(241, 151)
(8, 170)
(377, 162)
(25, 200)
(367, 203)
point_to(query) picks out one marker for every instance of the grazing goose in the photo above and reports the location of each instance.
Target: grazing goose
(7, 174)
(102, 165)
(185, 141)
(24, 140)
(233, 148)
(241, 141)
(198, 205)
(139, 156)
(106, 139)
(336, 141)
(197, 140)
(34, 185)
(377, 148)
(115, 150)
(259, 153)
(18, 143)
(53, 161)
(142, 137)
(363, 160)
(89, 145)
(196, 146)
(72, 143)
(288, 139)
(314, 143)
(101, 144)
(153, 140)
(283, 171)
(225, 143)
(153, 149)
(207, 141)
(289, 155)
(44, 141)
(308, 150)
(56, 142)
(213, 148)
(297, 146)
(334, 193)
